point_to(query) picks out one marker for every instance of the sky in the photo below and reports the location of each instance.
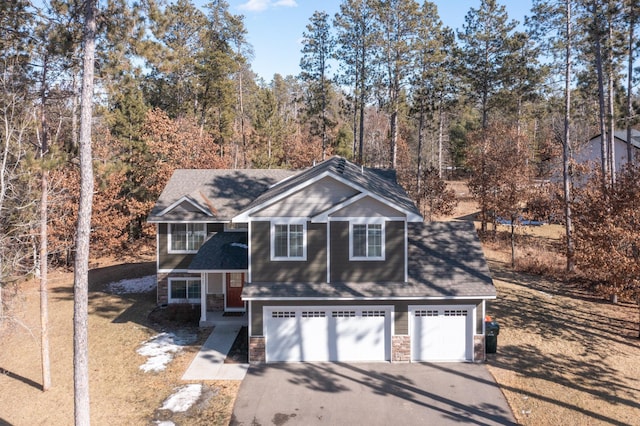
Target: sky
(275, 27)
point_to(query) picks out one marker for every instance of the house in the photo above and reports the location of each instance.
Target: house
(591, 151)
(331, 263)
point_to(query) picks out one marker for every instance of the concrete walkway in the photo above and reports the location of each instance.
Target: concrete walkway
(209, 362)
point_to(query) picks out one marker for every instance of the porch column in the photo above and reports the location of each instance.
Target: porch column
(203, 297)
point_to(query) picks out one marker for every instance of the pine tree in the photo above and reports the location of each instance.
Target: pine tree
(398, 22)
(317, 50)
(485, 47)
(356, 33)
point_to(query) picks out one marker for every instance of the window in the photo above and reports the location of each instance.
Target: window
(367, 241)
(186, 237)
(184, 290)
(288, 241)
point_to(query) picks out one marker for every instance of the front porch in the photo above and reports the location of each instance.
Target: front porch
(216, 318)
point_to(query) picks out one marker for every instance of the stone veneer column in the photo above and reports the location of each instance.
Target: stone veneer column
(479, 354)
(256, 350)
(162, 293)
(400, 348)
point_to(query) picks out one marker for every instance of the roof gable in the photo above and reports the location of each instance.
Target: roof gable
(376, 184)
(186, 204)
(220, 194)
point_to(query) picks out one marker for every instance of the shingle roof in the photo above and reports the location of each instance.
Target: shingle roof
(380, 182)
(223, 193)
(445, 261)
(223, 251)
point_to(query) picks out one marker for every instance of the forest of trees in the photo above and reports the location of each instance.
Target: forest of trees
(383, 83)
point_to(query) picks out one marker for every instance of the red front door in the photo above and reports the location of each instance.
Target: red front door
(235, 282)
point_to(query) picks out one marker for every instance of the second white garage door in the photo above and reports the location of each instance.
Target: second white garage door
(344, 333)
(441, 333)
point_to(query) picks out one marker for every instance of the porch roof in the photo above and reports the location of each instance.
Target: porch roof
(223, 251)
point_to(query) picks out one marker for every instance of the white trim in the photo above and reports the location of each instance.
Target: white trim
(204, 284)
(157, 249)
(187, 300)
(176, 271)
(328, 299)
(249, 250)
(250, 312)
(406, 252)
(367, 222)
(328, 252)
(288, 222)
(188, 199)
(170, 234)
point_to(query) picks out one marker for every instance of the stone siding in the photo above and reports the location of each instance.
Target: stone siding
(478, 348)
(400, 348)
(256, 350)
(215, 302)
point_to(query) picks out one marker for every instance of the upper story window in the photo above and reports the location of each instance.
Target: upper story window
(184, 290)
(186, 237)
(366, 241)
(288, 241)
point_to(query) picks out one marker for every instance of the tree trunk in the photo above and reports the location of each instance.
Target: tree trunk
(632, 23)
(44, 292)
(566, 151)
(419, 165)
(440, 139)
(596, 34)
(513, 242)
(362, 94)
(394, 138)
(81, 267)
(44, 228)
(610, 113)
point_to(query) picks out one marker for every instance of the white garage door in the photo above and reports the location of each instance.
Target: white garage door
(441, 333)
(343, 333)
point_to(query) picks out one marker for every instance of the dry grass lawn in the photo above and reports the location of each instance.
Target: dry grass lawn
(121, 394)
(564, 356)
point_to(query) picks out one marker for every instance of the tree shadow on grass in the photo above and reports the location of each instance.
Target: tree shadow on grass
(19, 378)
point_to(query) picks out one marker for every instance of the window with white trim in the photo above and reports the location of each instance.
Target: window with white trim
(186, 237)
(366, 241)
(184, 290)
(288, 241)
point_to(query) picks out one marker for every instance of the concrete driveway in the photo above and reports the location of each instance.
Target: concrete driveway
(370, 394)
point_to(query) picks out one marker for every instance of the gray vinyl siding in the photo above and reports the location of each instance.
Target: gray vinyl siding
(313, 270)
(400, 307)
(169, 261)
(390, 269)
(314, 199)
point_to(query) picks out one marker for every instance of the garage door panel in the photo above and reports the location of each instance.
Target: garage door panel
(441, 333)
(327, 334)
(284, 327)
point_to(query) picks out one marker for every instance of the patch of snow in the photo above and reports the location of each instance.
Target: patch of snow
(244, 246)
(165, 423)
(161, 349)
(183, 398)
(136, 285)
